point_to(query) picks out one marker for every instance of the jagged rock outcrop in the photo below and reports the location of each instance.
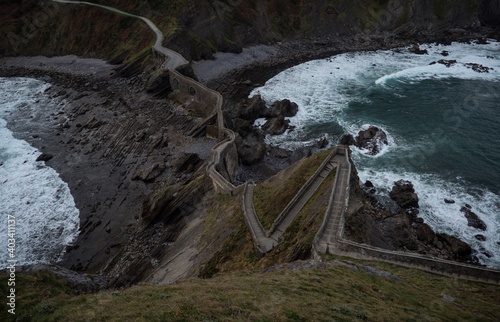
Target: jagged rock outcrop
(374, 221)
(252, 148)
(372, 140)
(283, 108)
(404, 194)
(473, 219)
(276, 125)
(252, 109)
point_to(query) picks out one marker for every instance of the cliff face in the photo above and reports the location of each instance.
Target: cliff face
(489, 12)
(199, 28)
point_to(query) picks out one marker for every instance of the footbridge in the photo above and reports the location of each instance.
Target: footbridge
(329, 239)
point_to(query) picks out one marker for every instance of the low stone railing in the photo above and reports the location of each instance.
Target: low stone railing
(344, 247)
(286, 211)
(222, 184)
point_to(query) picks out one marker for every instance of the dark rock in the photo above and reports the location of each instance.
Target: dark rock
(321, 143)
(460, 249)
(447, 63)
(425, 233)
(478, 68)
(151, 173)
(187, 70)
(253, 109)
(372, 140)
(252, 148)
(189, 163)
(445, 53)
(347, 139)
(482, 41)
(159, 85)
(419, 220)
(44, 157)
(369, 184)
(473, 219)
(276, 126)
(480, 237)
(404, 194)
(486, 252)
(416, 50)
(93, 123)
(449, 201)
(285, 108)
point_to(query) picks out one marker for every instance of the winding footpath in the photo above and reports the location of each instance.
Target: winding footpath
(174, 59)
(329, 238)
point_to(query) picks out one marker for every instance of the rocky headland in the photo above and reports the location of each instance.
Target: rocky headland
(138, 178)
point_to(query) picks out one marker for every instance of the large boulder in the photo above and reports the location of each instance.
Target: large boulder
(473, 219)
(404, 194)
(371, 140)
(347, 139)
(251, 149)
(460, 250)
(285, 108)
(253, 109)
(276, 126)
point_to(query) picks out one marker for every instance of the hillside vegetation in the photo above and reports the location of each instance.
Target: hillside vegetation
(345, 291)
(197, 29)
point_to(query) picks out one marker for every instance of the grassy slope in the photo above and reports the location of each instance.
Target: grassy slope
(271, 198)
(239, 291)
(334, 293)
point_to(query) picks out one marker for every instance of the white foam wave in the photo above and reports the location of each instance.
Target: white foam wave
(46, 219)
(326, 89)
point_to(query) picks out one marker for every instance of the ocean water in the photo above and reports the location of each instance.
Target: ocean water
(442, 124)
(31, 193)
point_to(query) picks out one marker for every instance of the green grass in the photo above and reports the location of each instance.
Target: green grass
(271, 198)
(299, 236)
(334, 293)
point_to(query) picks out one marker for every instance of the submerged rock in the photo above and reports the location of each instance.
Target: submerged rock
(478, 68)
(416, 50)
(473, 219)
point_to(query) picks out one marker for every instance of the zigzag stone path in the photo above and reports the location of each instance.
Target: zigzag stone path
(329, 238)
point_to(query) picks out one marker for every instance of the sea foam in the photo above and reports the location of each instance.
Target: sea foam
(31, 193)
(327, 90)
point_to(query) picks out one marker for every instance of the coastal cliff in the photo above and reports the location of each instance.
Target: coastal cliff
(148, 211)
(197, 29)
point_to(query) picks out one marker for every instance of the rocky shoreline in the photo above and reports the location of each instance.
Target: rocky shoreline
(116, 146)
